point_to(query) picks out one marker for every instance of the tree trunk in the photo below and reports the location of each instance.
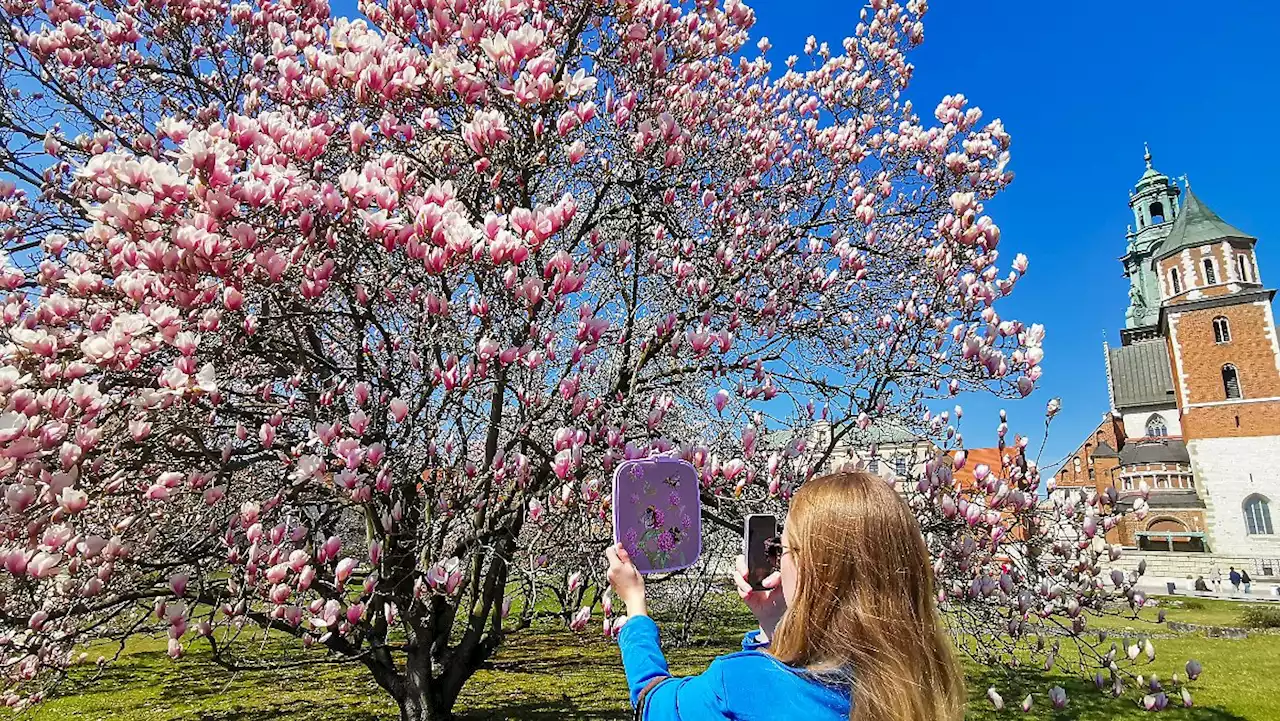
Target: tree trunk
(421, 697)
(416, 709)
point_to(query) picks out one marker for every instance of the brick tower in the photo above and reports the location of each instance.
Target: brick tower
(1194, 387)
(1216, 318)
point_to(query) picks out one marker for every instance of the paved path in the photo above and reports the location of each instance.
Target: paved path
(1261, 592)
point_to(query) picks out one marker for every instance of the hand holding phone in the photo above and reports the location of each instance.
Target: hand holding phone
(762, 549)
(758, 579)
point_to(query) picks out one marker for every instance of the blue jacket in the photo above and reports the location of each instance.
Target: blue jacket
(751, 685)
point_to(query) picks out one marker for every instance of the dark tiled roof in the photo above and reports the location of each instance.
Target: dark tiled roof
(1140, 374)
(1197, 225)
(1104, 450)
(1169, 451)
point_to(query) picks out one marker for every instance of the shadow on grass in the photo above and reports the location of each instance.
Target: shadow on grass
(551, 674)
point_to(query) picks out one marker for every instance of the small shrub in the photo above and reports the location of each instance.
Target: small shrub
(1261, 617)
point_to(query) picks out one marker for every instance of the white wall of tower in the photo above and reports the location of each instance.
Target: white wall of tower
(1228, 471)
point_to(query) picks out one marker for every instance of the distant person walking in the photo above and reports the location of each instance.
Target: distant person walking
(1244, 578)
(1216, 577)
(1235, 579)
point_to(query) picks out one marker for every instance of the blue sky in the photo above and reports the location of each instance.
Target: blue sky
(1080, 90)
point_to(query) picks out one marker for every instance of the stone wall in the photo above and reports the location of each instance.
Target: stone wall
(1162, 564)
(1135, 422)
(1228, 470)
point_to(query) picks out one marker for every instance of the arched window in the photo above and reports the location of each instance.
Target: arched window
(1230, 381)
(1221, 330)
(1156, 427)
(1077, 464)
(1157, 212)
(1209, 277)
(1257, 516)
(1242, 265)
(1176, 280)
(1167, 525)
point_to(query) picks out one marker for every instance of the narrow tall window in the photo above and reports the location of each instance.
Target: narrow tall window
(874, 464)
(1221, 330)
(1242, 264)
(1177, 281)
(1209, 277)
(900, 466)
(1157, 213)
(1230, 381)
(1257, 516)
(1156, 427)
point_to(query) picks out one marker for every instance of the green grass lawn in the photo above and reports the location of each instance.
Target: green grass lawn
(548, 673)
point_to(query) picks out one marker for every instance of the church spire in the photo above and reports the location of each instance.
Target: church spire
(1154, 199)
(1154, 202)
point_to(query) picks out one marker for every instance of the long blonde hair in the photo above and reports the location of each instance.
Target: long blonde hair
(864, 602)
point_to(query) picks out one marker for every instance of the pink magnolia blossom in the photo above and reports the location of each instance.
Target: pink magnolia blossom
(344, 569)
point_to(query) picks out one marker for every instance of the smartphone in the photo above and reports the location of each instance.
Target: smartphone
(761, 547)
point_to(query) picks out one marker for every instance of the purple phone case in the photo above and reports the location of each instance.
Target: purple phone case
(656, 513)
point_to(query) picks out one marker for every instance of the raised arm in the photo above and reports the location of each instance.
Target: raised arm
(665, 698)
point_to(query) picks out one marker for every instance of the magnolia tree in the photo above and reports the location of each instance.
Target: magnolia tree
(333, 330)
(1020, 577)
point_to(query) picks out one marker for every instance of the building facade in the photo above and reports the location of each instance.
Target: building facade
(886, 448)
(1194, 385)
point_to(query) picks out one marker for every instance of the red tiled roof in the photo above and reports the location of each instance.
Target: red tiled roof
(975, 457)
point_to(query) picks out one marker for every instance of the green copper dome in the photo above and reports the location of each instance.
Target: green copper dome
(1151, 177)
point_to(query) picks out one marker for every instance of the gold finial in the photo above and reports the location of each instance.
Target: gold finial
(1147, 154)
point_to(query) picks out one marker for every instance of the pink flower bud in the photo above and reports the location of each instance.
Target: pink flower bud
(344, 569)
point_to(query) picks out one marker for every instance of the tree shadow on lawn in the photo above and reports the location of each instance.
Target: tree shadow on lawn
(147, 684)
(578, 678)
(539, 676)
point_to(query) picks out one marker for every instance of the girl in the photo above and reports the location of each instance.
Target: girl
(848, 627)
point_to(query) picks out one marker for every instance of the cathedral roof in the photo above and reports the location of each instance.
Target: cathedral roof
(1140, 375)
(1195, 225)
(1163, 451)
(1104, 450)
